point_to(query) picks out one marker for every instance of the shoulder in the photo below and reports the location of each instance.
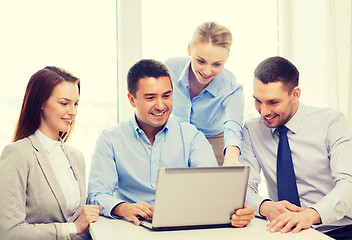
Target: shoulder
(19, 147)
(254, 123)
(226, 81)
(183, 129)
(18, 153)
(174, 123)
(177, 63)
(321, 115)
(255, 127)
(117, 132)
(116, 129)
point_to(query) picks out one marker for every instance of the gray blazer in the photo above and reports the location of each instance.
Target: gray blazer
(32, 204)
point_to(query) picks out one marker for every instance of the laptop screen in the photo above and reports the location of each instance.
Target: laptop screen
(199, 196)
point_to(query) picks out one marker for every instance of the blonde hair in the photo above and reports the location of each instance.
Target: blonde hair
(211, 32)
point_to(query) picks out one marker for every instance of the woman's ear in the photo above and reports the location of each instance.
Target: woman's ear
(189, 49)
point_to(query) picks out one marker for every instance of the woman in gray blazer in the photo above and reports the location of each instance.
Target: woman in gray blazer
(42, 179)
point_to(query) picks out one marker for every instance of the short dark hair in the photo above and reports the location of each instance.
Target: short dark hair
(145, 68)
(277, 69)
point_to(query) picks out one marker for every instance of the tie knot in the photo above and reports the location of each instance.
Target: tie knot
(282, 129)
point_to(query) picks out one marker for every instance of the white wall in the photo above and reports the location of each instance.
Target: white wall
(79, 36)
(316, 36)
(161, 29)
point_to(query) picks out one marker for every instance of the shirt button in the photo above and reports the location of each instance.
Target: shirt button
(149, 146)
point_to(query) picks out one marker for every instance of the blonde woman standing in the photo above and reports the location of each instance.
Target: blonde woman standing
(206, 94)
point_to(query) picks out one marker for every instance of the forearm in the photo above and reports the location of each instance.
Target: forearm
(313, 216)
(232, 134)
(336, 204)
(38, 231)
(119, 210)
(231, 156)
(106, 200)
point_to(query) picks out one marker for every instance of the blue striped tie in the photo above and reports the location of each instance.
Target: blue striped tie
(286, 178)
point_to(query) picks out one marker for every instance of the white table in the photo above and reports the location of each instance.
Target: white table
(106, 229)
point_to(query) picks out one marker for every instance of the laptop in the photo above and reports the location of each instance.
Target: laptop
(188, 198)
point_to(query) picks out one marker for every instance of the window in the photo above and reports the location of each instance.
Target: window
(166, 27)
(79, 36)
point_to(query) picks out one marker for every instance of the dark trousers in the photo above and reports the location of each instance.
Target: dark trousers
(344, 233)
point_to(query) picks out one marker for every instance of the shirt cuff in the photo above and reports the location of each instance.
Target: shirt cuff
(233, 137)
(254, 200)
(72, 228)
(109, 206)
(107, 201)
(259, 214)
(67, 230)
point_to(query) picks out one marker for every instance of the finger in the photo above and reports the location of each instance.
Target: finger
(289, 225)
(147, 211)
(279, 225)
(273, 225)
(93, 208)
(95, 217)
(96, 208)
(136, 221)
(147, 206)
(245, 211)
(94, 211)
(240, 223)
(247, 217)
(297, 229)
(291, 207)
(141, 213)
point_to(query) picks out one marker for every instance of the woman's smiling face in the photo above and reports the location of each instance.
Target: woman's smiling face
(208, 61)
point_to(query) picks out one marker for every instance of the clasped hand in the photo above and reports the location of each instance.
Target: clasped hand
(89, 214)
(285, 217)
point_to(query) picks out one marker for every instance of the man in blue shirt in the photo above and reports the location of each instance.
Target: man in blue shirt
(321, 152)
(127, 157)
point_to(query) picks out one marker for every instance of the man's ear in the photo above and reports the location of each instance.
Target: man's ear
(296, 93)
(131, 99)
(189, 49)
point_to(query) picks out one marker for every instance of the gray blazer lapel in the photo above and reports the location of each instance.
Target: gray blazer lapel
(80, 179)
(49, 174)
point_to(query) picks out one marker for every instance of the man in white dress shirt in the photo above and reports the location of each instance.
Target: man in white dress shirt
(321, 152)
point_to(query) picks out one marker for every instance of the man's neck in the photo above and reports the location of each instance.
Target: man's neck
(149, 131)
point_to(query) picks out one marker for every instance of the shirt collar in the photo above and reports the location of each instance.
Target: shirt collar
(48, 144)
(212, 87)
(184, 75)
(295, 122)
(138, 131)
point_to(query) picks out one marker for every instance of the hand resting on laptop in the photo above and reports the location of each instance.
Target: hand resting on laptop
(138, 211)
(132, 211)
(242, 217)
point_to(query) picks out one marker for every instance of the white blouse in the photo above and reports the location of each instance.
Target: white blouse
(63, 171)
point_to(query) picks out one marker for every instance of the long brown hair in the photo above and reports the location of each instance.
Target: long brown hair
(39, 89)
